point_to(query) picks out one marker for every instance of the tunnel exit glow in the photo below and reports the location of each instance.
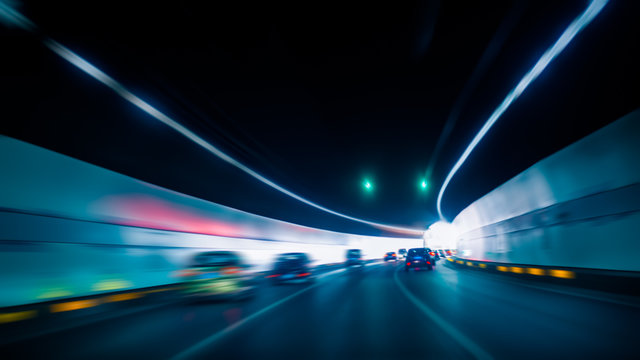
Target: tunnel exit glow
(441, 235)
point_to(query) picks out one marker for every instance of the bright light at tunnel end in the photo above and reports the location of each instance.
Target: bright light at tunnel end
(572, 30)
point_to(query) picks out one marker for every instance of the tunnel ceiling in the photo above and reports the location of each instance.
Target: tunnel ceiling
(319, 97)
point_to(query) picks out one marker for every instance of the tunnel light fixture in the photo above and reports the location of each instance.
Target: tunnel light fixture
(368, 186)
(572, 30)
(12, 17)
(423, 185)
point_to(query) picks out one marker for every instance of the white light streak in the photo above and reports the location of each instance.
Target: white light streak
(574, 28)
(7, 14)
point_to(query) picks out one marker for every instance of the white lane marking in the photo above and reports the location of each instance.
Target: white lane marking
(373, 263)
(193, 350)
(329, 273)
(458, 336)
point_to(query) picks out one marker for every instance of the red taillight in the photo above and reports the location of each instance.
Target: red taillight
(231, 270)
(429, 262)
(303, 274)
(272, 276)
(432, 253)
(408, 263)
(187, 273)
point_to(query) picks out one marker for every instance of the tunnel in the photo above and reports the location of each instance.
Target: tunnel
(420, 180)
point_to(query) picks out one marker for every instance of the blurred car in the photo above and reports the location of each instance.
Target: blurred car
(218, 274)
(448, 252)
(418, 258)
(434, 254)
(354, 257)
(390, 256)
(402, 253)
(291, 267)
(441, 252)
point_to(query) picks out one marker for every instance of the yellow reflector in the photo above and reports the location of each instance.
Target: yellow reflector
(564, 274)
(460, 261)
(157, 290)
(73, 305)
(450, 259)
(123, 297)
(502, 268)
(517, 270)
(17, 316)
(469, 263)
(535, 271)
(484, 266)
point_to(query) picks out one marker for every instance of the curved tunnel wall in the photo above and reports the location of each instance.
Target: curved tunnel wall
(69, 228)
(579, 207)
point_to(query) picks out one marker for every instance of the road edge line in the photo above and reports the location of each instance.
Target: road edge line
(212, 339)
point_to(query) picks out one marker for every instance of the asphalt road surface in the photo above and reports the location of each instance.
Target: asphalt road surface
(376, 312)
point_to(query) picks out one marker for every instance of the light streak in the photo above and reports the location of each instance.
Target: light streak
(13, 17)
(572, 30)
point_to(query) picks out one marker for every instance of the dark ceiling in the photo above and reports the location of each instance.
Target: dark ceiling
(317, 95)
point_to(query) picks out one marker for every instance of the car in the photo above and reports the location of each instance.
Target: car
(448, 252)
(354, 258)
(435, 255)
(441, 252)
(418, 258)
(218, 274)
(390, 256)
(291, 267)
(402, 253)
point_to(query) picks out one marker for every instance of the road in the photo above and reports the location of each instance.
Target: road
(378, 312)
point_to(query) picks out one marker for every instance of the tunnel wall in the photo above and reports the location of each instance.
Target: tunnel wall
(579, 207)
(69, 228)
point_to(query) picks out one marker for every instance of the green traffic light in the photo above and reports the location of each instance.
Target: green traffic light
(424, 185)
